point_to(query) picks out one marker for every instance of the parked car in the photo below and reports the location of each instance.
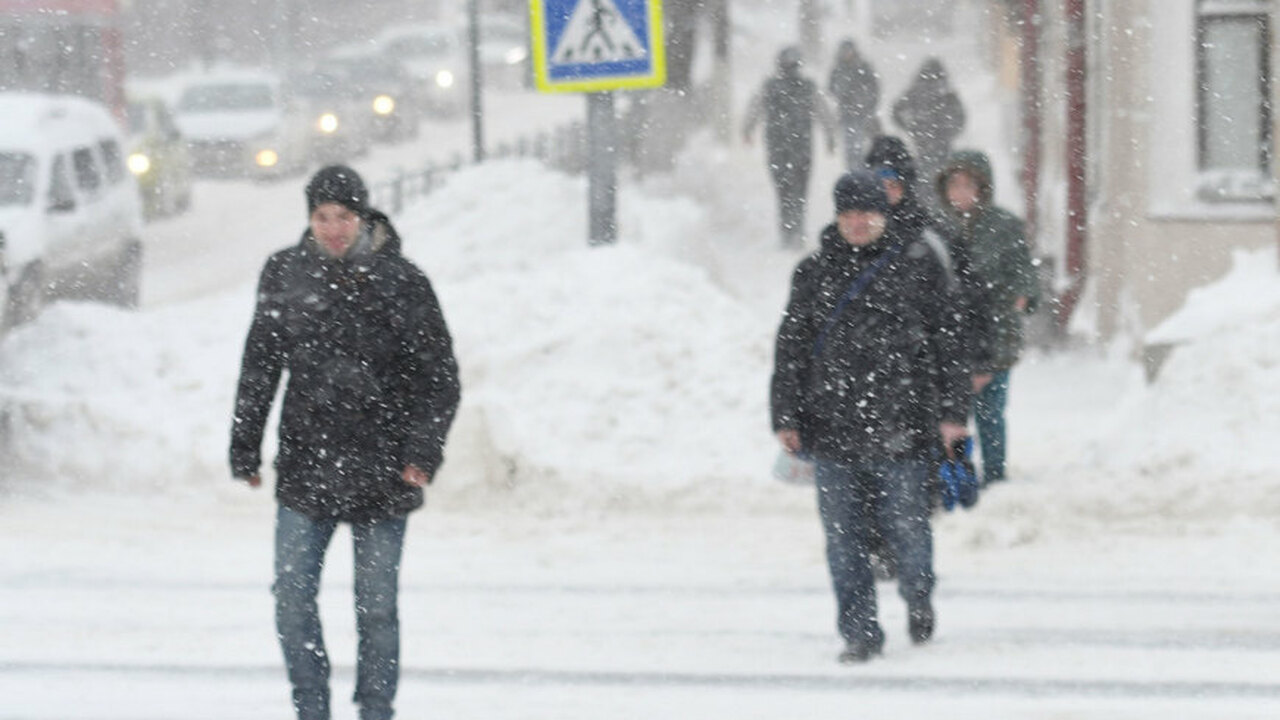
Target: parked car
(70, 212)
(238, 124)
(385, 94)
(436, 59)
(158, 158)
(338, 129)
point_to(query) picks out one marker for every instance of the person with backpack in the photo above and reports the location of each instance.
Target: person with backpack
(869, 382)
(790, 104)
(931, 115)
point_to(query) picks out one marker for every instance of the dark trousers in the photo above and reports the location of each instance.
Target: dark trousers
(845, 494)
(301, 542)
(791, 181)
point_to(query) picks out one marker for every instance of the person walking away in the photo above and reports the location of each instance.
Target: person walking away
(994, 243)
(790, 104)
(856, 89)
(929, 112)
(868, 381)
(371, 392)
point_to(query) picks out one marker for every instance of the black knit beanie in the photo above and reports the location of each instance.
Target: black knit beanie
(860, 190)
(338, 184)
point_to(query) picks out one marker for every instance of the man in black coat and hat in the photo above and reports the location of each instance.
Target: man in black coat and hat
(869, 382)
(371, 392)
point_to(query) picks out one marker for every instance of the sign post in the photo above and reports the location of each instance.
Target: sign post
(596, 47)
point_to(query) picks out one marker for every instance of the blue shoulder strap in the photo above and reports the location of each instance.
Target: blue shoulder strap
(859, 284)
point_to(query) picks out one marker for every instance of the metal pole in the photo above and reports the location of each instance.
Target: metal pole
(1077, 217)
(477, 105)
(602, 169)
(1031, 125)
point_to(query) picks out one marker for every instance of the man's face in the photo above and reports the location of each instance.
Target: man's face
(963, 192)
(895, 190)
(860, 227)
(335, 228)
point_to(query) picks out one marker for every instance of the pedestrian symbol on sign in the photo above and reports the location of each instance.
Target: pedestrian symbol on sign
(597, 33)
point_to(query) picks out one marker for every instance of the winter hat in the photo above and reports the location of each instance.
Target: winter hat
(860, 190)
(890, 153)
(338, 184)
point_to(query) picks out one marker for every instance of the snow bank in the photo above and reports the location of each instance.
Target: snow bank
(614, 375)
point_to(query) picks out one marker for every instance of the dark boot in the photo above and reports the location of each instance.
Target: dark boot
(920, 621)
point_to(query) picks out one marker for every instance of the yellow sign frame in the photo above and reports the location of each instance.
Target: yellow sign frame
(657, 77)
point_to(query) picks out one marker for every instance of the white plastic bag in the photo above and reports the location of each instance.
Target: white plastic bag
(793, 469)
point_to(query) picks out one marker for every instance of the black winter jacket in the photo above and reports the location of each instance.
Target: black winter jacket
(891, 367)
(372, 380)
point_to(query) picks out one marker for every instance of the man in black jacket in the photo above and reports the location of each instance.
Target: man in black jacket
(372, 390)
(790, 103)
(869, 381)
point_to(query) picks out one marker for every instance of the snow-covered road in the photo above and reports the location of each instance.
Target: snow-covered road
(617, 615)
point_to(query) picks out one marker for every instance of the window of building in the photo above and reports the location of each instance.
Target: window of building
(1233, 40)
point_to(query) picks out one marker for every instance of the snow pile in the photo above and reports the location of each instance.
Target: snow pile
(98, 397)
(619, 371)
(1208, 423)
(622, 372)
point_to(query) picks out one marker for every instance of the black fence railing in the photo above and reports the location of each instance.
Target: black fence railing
(564, 149)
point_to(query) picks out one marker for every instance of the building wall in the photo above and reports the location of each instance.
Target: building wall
(1151, 239)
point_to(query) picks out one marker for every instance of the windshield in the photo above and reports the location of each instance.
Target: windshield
(17, 178)
(421, 46)
(220, 98)
(136, 114)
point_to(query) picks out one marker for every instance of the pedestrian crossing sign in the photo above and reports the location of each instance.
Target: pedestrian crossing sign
(597, 45)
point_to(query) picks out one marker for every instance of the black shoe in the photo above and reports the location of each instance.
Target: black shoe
(920, 621)
(856, 653)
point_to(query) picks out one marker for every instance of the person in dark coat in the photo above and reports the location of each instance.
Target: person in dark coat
(856, 89)
(993, 243)
(931, 115)
(371, 392)
(790, 104)
(868, 381)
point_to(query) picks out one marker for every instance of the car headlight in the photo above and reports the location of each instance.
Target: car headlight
(384, 104)
(444, 79)
(139, 163)
(515, 55)
(328, 123)
(266, 158)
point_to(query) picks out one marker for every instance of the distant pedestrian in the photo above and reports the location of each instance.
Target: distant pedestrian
(868, 381)
(993, 242)
(856, 89)
(931, 115)
(790, 104)
(372, 390)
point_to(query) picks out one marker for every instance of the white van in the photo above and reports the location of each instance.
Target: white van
(69, 209)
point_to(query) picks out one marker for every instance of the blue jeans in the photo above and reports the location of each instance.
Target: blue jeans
(301, 542)
(988, 413)
(896, 490)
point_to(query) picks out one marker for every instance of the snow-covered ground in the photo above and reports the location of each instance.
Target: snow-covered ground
(604, 540)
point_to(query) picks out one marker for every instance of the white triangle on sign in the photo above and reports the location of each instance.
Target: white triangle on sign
(597, 33)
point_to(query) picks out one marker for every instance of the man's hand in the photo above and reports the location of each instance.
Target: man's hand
(413, 475)
(790, 440)
(980, 381)
(951, 432)
(1020, 304)
(253, 480)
